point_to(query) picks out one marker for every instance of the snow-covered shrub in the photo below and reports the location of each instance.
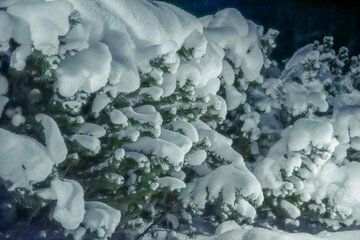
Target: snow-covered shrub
(128, 118)
(117, 121)
(315, 125)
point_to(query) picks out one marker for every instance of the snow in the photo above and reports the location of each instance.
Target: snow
(169, 84)
(24, 160)
(227, 73)
(145, 114)
(44, 17)
(54, 141)
(104, 54)
(290, 209)
(17, 120)
(87, 71)
(297, 57)
(92, 129)
(4, 85)
(285, 153)
(6, 31)
(337, 184)
(75, 40)
(159, 147)
(153, 23)
(227, 226)
(180, 140)
(318, 133)
(221, 146)
(299, 98)
(100, 102)
(141, 159)
(21, 34)
(196, 158)
(131, 134)
(187, 128)
(225, 181)
(146, 29)
(154, 92)
(89, 142)
(346, 121)
(3, 102)
(119, 154)
(189, 72)
(101, 218)
(197, 42)
(247, 232)
(233, 97)
(174, 220)
(70, 206)
(229, 30)
(171, 183)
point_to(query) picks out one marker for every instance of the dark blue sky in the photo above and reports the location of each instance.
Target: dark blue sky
(299, 22)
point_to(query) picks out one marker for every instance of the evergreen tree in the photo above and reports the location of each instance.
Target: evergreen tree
(111, 129)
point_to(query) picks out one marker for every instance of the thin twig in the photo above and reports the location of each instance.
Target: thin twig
(155, 222)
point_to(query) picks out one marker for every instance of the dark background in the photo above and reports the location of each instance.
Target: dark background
(299, 22)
